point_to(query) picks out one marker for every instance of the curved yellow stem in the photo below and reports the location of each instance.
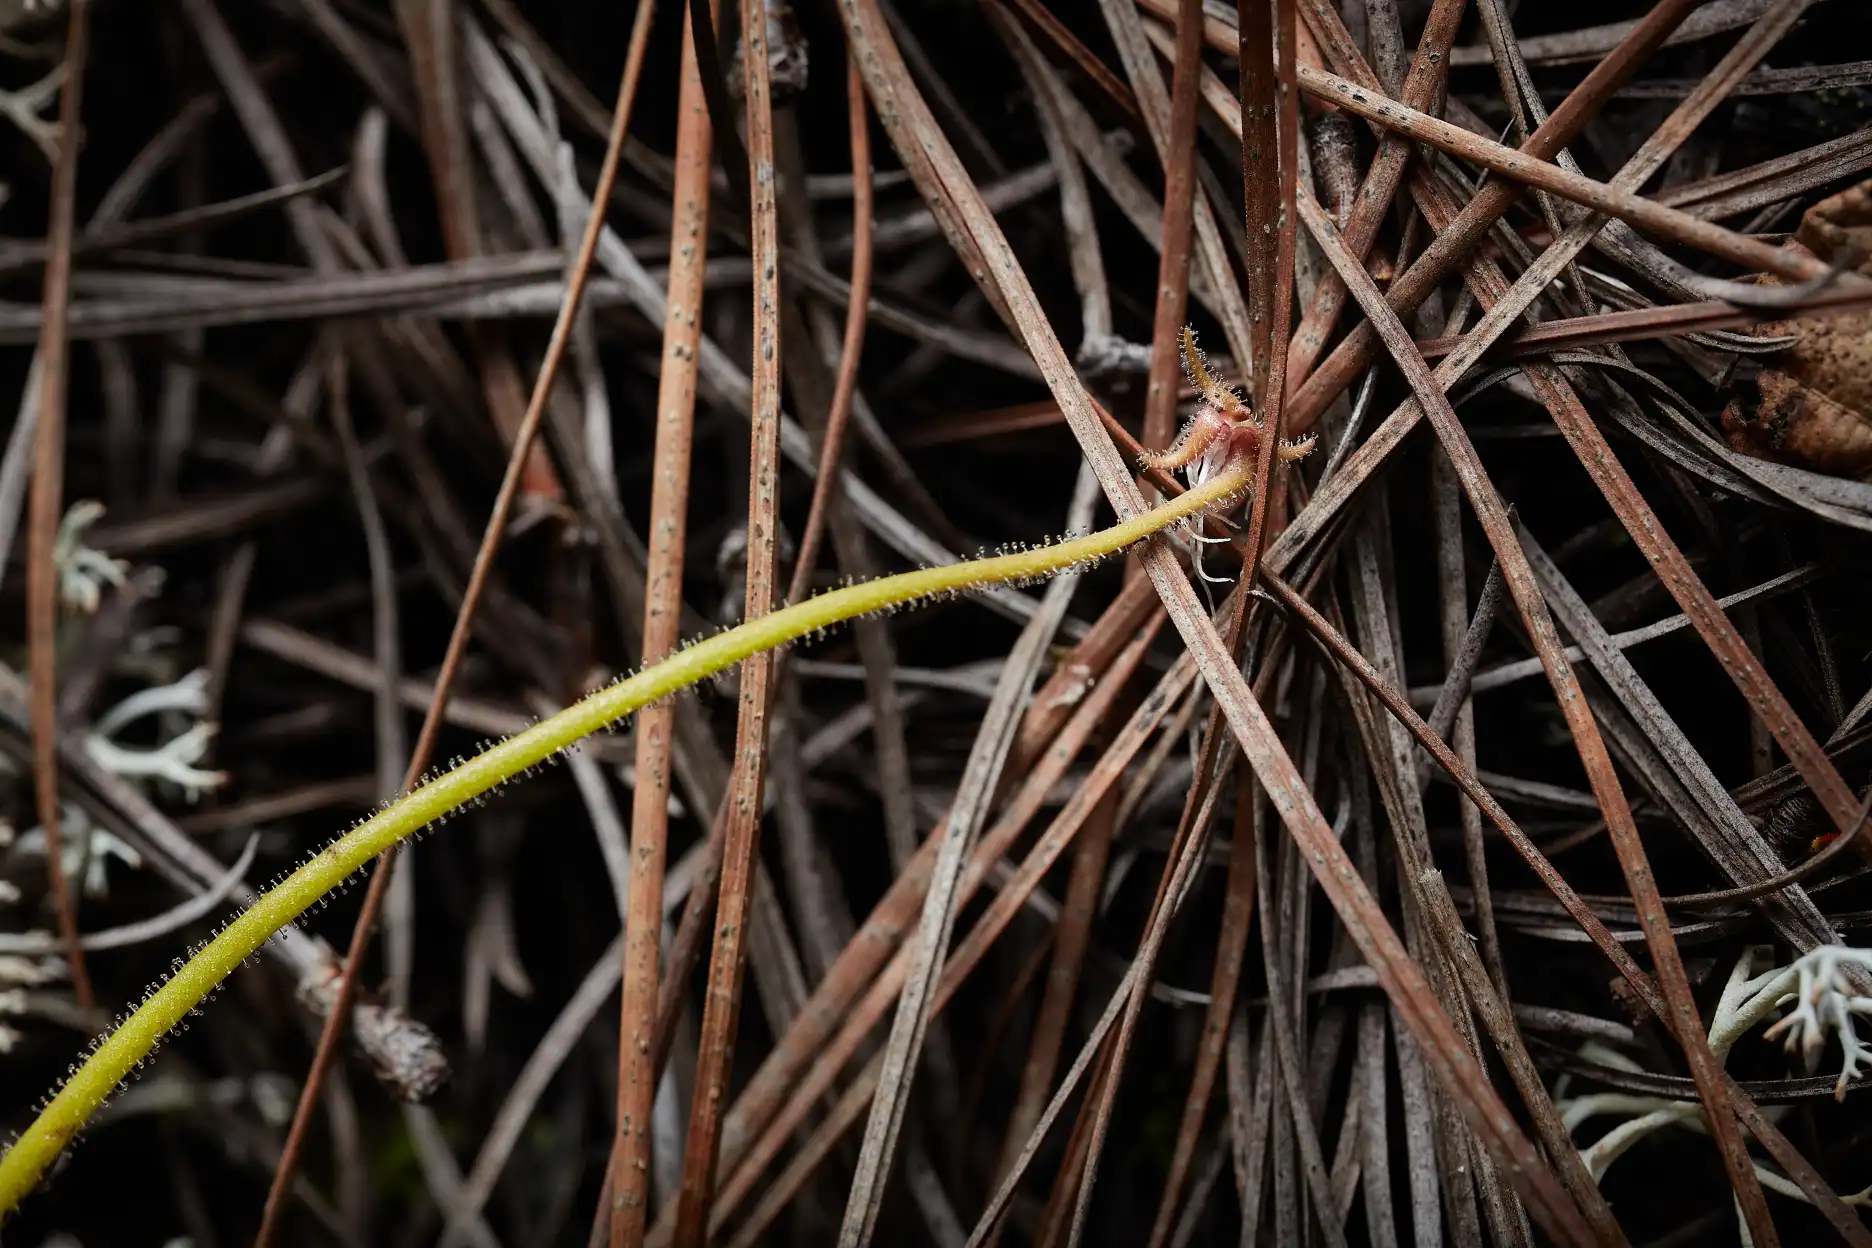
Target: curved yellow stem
(91, 1084)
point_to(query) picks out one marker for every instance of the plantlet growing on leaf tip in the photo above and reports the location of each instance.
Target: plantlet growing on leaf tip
(195, 980)
(1224, 434)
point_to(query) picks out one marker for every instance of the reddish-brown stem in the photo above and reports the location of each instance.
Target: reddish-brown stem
(1271, 207)
(1173, 268)
(722, 1002)
(628, 1177)
(48, 487)
(346, 994)
(1082, 58)
(831, 451)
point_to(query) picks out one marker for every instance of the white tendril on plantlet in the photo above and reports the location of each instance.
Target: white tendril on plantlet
(82, 571)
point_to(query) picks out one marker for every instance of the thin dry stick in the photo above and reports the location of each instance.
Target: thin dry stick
(831, 452)
(1063, 950)
(1452, 244)
(1075, 1171)
(1173, 279)
(1071, 937)
(1490, 512)
(458, 643)
(722, 1004)
(48, 485)
(1638, 324)
(628, 1175)
(923, 955)
(1010, 897)
(1282, 1027)
(1172, 891)
(1269, 103)
(1128, 32)
(843, 1035)
(1056, 1219)
(1271, 130)
(1231, 951)
(1428, 70)
(430, 34)
(1453, 605)
(1073, 1181)
(1270, 212)
(1056, 726)
(1669, 223)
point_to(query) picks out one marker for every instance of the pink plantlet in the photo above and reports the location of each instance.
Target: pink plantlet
(1223, 434)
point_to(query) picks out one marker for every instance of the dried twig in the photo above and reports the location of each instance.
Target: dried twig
(48, 481)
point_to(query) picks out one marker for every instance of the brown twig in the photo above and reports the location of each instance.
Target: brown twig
(1173, 264)
(831, 451)
(1670, 223)
(48, 482)
(722, 1003)
(458, 642)
(627, 1176)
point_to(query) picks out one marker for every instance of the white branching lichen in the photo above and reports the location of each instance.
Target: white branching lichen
(175, 760)
(82, 571)
(87, 848)
(1825, 1003)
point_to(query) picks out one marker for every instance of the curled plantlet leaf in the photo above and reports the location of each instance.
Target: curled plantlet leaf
(1224, 434)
